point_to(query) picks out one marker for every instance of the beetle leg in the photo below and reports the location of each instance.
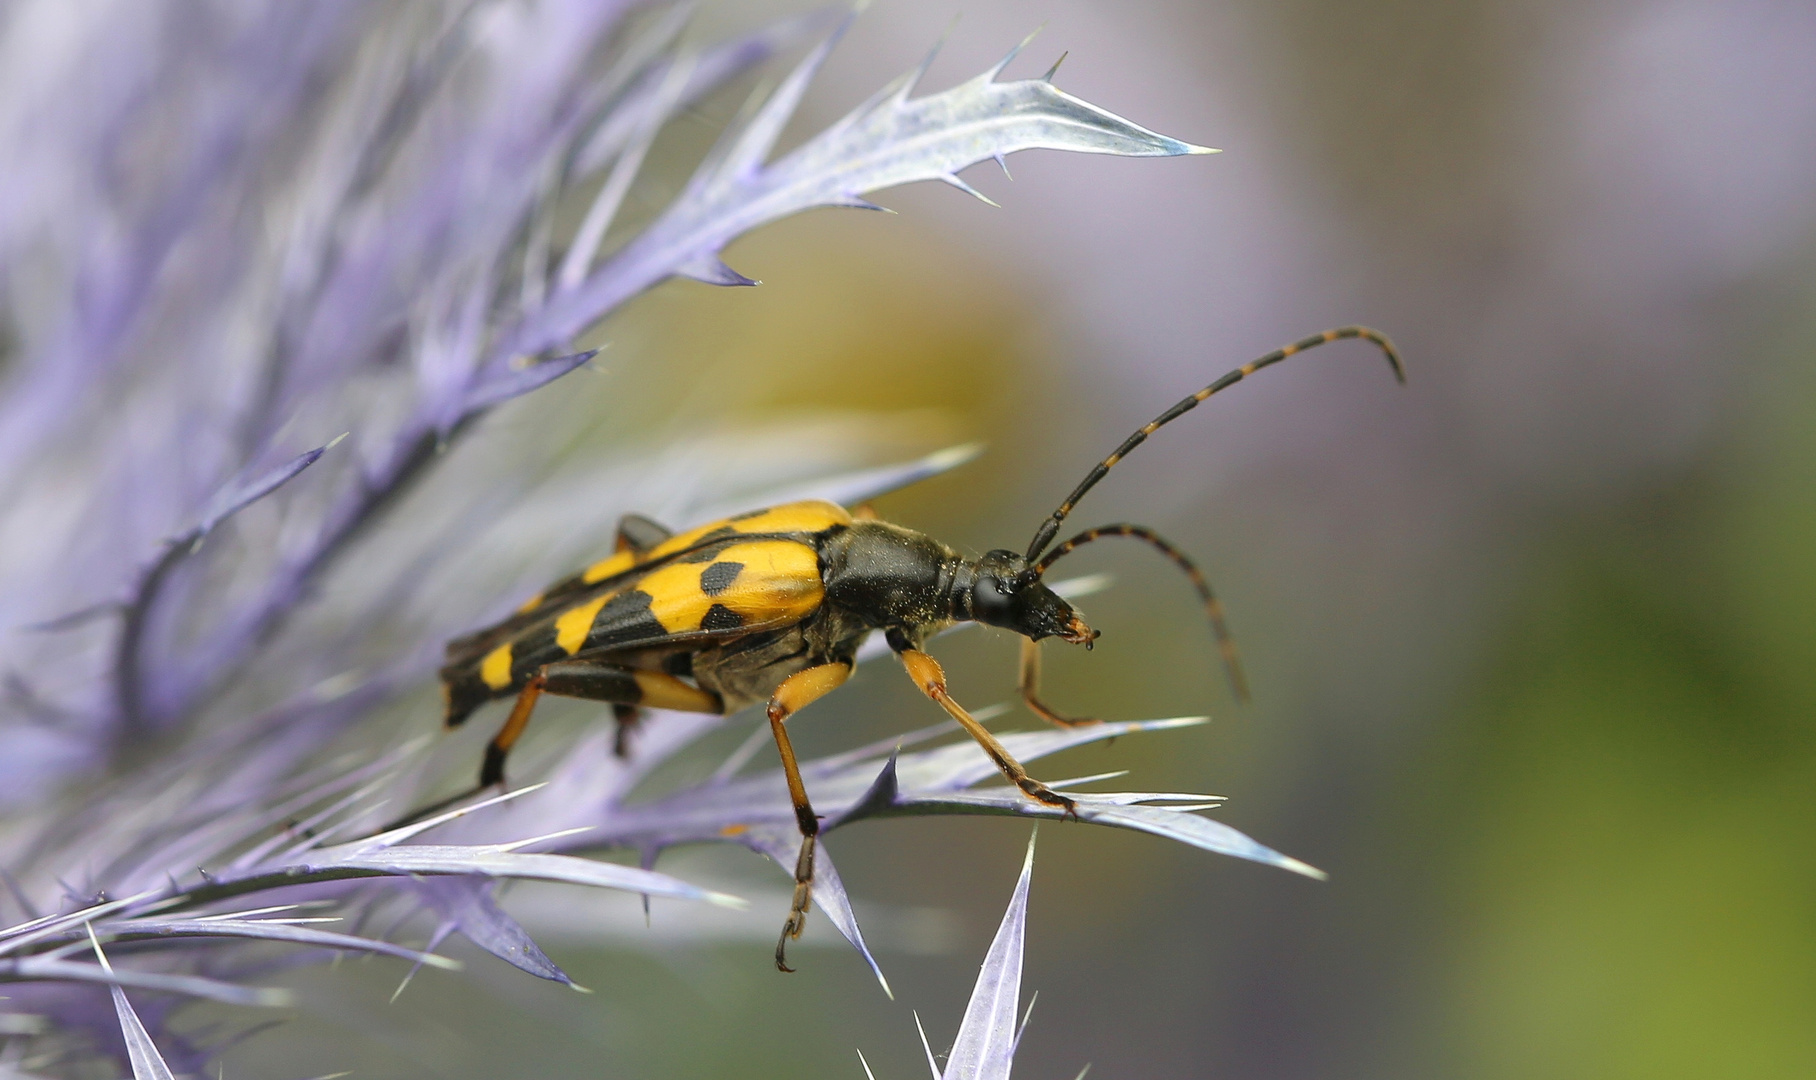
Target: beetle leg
(927, 674)
(491, 770)
(592, 680)
(598, 680)
(796, 693)
(626, 688)
(627, 718)
(1029, 685)
(638, 533)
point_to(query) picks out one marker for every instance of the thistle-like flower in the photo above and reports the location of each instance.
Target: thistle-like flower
(265, 270)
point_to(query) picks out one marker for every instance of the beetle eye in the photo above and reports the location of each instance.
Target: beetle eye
(993, 600)
(998, 593)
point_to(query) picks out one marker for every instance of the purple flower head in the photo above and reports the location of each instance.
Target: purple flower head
(265, 268)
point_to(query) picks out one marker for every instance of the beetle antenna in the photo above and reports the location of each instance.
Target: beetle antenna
(1213, 608)
(1050, 527)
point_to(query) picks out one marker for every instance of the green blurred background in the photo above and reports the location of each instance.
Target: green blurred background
(1531, 639)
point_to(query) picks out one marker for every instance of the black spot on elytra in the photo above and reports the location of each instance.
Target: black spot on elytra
(718, 577)
(625, 618)
(748, 514)
(720, 617)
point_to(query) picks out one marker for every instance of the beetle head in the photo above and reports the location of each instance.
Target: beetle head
(1008, 594)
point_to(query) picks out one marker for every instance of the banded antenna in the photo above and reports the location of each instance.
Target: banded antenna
(1050, 527)
(1213, 608)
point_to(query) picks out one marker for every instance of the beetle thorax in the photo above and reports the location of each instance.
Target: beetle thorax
(888, 576)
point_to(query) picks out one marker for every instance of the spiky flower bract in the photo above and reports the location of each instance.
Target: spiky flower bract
(266, 270)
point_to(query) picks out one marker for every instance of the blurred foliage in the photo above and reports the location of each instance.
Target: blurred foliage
(1627, 802)
(858, 310)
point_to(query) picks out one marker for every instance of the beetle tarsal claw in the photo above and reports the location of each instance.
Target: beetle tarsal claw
(782, 953)
(1046, 796)
(802, 903)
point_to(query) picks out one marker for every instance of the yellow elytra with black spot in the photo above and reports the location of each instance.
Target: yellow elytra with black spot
(649, 604)
(772, 606)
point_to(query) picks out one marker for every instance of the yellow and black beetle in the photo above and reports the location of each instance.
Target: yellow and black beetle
(771, 606)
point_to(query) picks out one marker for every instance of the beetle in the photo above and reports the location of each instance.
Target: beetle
(770, 607)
